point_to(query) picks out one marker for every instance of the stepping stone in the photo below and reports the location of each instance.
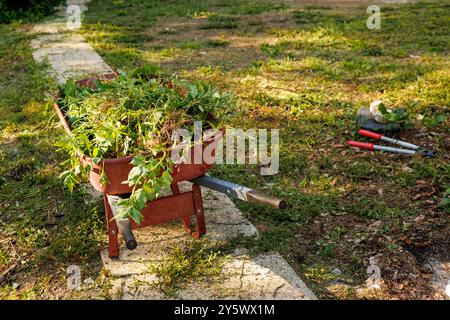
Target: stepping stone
(68, 55)
(266, 276)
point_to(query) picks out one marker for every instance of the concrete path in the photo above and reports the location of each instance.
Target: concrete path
(266, 276)
(68, 54)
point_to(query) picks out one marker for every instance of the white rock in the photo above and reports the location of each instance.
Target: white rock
(376, 113)
(336, 272)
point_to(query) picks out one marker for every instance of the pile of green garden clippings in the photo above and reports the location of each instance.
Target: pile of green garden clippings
(134, 114)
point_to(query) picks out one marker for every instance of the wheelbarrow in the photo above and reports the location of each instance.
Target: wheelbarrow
(178, 206)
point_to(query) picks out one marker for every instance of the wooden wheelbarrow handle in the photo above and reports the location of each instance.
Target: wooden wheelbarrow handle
(235, 191)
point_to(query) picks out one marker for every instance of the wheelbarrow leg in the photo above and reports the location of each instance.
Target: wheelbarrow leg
(186, 221)
(113, 241)
(198, 205)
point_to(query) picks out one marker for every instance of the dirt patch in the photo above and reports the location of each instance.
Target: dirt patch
(18, 173)
(191, 45)
(411, 246)
(412, 255)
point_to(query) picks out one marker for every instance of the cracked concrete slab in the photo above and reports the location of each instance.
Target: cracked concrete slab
(68, 53)
(265, 276)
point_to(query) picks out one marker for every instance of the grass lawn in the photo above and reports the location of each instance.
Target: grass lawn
(43, 228)
(303, 68)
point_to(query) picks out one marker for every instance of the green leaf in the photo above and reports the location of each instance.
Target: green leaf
(440, 118)
(103, 178)
(136, 215)
(193, 91)
(382, 109)
(135, 172)
(445, 202)
(138, 160)
(147, 191)
(166, 177)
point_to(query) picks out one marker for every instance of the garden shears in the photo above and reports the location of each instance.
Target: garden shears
(411, 148)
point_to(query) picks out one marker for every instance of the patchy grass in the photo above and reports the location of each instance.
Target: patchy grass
(216, 21)
(43, 229)
(197, 260)
(306, 69)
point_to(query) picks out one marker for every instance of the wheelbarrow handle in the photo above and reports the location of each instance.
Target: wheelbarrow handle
(235, 191)
(123, 224)
(260, 198)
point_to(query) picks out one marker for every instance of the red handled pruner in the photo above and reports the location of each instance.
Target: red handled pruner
(412, 148)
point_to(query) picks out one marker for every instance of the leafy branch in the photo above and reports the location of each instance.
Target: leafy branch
(148, 177)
